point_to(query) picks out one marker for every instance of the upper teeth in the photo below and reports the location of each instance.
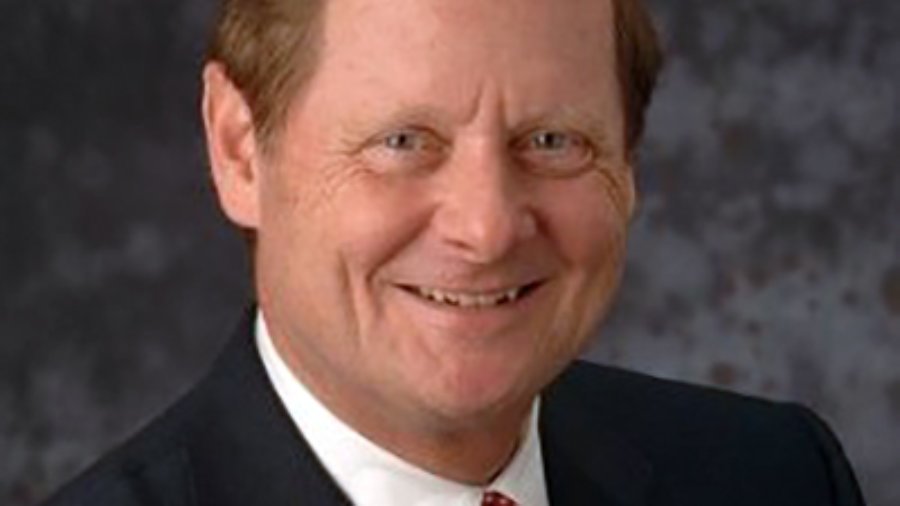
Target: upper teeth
(469, 300)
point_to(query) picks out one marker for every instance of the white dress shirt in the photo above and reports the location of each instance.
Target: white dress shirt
(371, 475)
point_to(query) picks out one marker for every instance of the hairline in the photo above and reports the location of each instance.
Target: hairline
(300, 62)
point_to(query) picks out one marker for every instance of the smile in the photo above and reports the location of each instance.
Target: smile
(470, 299)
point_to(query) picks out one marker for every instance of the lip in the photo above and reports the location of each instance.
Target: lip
(473, 299)
(445, 323)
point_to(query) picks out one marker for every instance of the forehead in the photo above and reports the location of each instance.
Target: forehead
(410, 47)
(537, 26)
(481, 19)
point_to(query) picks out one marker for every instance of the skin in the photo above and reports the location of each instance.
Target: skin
(468, 146)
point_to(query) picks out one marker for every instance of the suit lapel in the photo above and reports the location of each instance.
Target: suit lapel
(586, 463)
(244, 449)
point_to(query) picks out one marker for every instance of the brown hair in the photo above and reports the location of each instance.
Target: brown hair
(270, 47)
(639, 59)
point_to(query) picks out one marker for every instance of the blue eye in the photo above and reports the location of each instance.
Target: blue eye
(404, 150)
(556, 152)
(550, 140)
(403, 140)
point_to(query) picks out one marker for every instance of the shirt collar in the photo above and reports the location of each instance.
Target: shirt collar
(371, 475)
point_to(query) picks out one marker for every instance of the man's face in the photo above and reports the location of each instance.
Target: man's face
(442, 220)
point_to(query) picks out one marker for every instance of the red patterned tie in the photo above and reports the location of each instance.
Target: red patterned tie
(497, 499)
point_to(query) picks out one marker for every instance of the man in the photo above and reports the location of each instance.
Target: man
(436, 195)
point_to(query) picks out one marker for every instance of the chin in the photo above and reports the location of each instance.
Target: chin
(471, 396)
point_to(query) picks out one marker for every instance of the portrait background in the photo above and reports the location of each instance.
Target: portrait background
(765, 257)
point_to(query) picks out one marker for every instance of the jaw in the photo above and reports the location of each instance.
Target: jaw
(464, 363)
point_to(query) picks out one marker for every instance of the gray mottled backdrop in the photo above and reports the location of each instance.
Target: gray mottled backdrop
(766, 257)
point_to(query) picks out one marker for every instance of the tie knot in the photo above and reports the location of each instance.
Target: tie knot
(497, 499)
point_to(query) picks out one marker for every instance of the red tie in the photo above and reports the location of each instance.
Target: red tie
(497, 499)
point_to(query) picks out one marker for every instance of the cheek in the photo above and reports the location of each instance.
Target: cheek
(379, 216)
(587, 220)
(589, 228)
(374, 222)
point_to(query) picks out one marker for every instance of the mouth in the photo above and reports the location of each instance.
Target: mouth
(472, 300)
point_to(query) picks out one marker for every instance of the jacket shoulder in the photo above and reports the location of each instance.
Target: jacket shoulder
(705, 441)
(631, 393)
(151, 467)
(667, 411)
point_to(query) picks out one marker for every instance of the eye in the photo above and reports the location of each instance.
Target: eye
(404, 150)
(549, 140)
(556, 152)
(404, 140)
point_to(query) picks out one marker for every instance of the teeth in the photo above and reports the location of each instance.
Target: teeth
(469, 300)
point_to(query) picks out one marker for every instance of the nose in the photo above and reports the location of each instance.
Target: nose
(484, 208)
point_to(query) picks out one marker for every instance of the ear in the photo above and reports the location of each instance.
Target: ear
(232, 147)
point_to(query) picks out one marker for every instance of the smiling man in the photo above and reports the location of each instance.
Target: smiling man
(438, 194)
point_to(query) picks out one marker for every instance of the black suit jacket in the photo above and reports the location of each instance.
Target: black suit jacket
(609, 437)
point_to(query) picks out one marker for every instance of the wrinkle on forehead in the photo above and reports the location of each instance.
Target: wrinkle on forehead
(532, 15)
(452, 61)
(438, 27)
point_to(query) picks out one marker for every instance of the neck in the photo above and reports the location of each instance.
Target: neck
(472, 451)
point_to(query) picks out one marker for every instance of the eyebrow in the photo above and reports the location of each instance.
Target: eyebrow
(400, 115)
